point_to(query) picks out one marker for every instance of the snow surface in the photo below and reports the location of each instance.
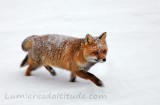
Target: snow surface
(131, 74)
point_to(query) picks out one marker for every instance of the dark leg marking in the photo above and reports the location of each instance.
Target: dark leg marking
(73, 77)
(51, 70)
(86, 75)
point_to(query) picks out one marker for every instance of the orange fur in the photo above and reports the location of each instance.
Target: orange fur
(74, 54)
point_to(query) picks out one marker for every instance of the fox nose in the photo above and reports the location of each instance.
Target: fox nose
(104, 60)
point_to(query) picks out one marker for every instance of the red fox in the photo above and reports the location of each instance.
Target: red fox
(74, 54)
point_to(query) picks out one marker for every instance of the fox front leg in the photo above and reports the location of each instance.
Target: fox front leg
(86, 75)
(73, 77)
(51, 70)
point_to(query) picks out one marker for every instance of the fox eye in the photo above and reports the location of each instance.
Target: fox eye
(95, 52)
(104, 51)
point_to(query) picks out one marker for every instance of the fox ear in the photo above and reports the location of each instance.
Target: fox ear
(103, 36)
(89, 39)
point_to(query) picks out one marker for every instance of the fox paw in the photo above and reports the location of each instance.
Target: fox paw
(73, 80)
(99, 83)
(28, 74)
(53, 73)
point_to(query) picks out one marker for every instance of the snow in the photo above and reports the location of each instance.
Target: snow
(57, 40)
(131, 74)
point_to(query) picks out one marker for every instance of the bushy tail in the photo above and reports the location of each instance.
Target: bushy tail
(24, 62)
(27, 43)
(26, 46)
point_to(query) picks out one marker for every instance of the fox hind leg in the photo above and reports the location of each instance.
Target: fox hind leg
(30, 69)
(51, 70)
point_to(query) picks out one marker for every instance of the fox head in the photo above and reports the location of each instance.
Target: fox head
(95, 48)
